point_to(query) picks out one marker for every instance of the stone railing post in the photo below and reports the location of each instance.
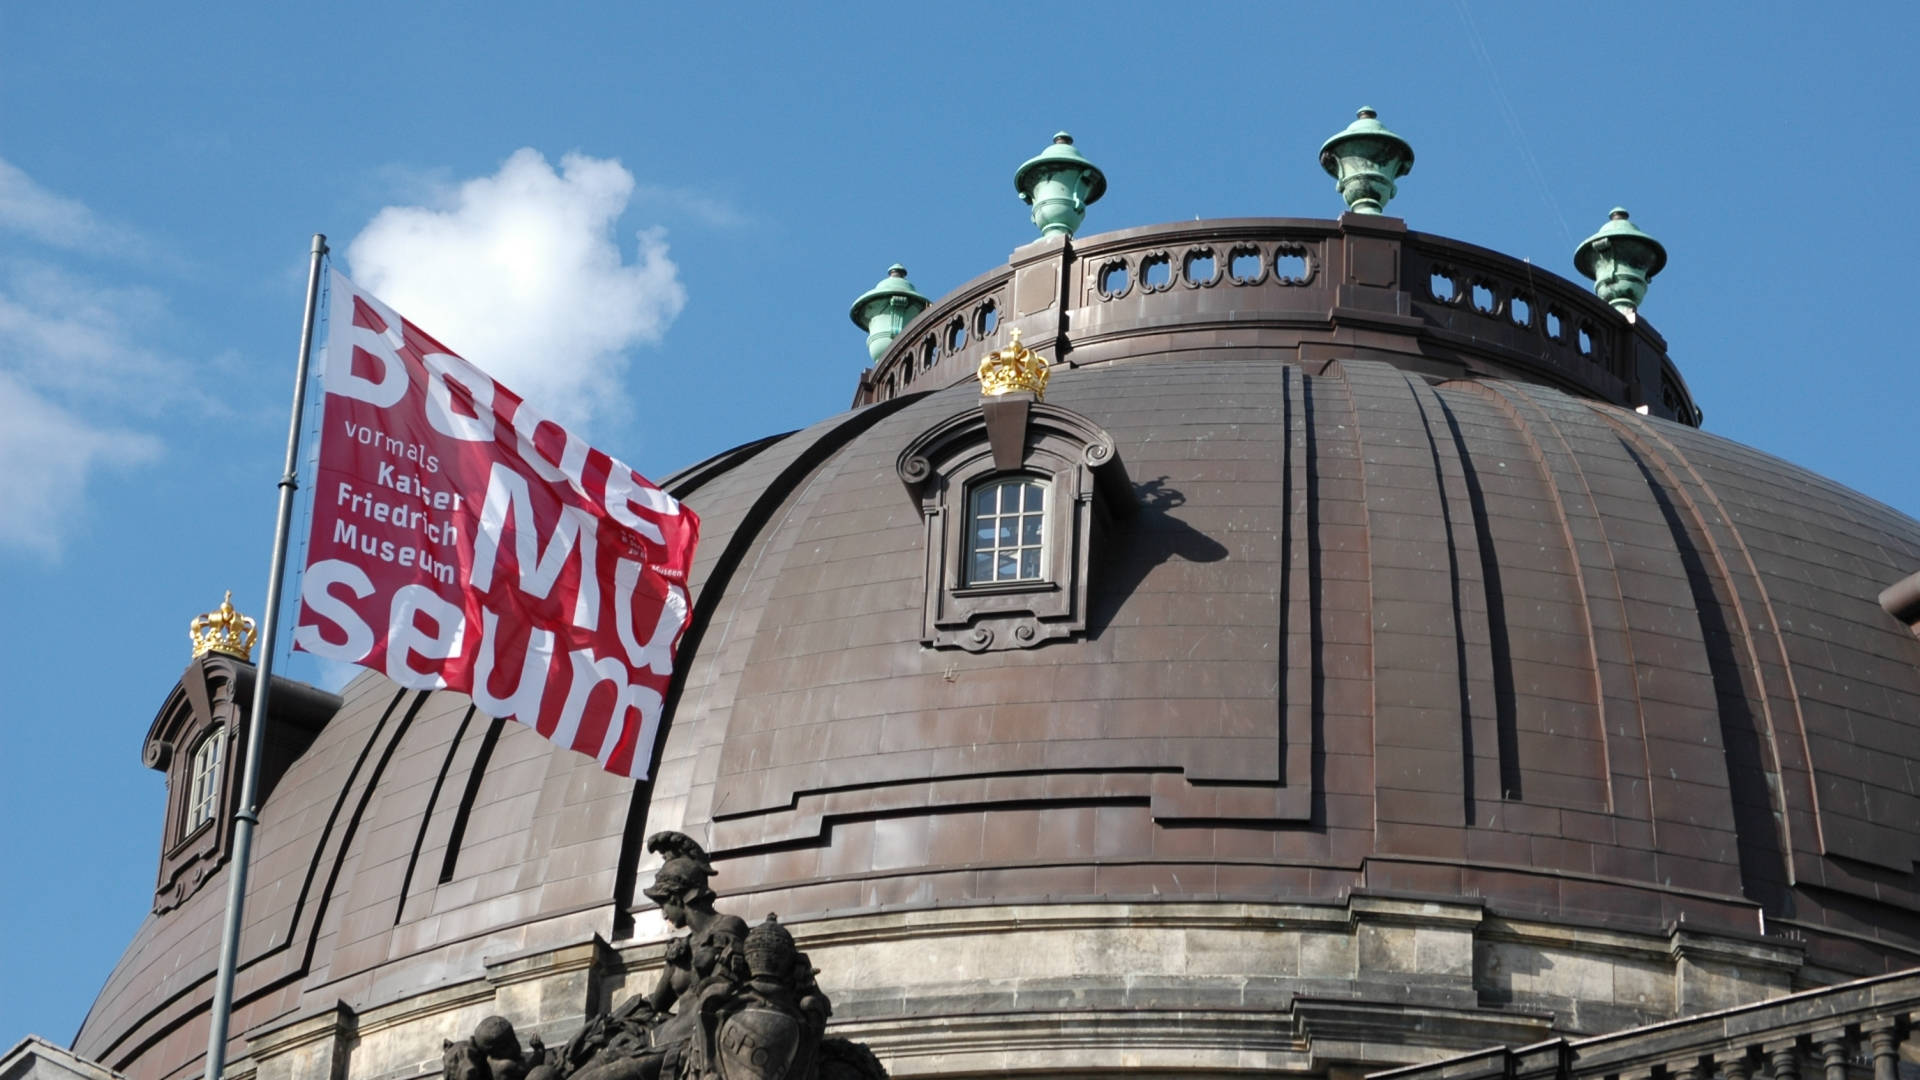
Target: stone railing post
(1885, 1041)
(1783, 1060)
(1834, 1051)
(1736, 1068)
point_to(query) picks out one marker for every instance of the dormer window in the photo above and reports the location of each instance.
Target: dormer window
(200, 730)
(1015, 494)
(1008, 524)
(203, 799)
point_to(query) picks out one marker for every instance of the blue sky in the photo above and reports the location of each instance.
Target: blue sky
(683, 203)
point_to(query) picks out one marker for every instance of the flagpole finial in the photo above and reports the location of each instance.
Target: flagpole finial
(223, 630)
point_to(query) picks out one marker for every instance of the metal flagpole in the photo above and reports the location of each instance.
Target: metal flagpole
(245, 817)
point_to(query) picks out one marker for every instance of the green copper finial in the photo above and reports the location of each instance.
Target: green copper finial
(1621, 260)
(1059, 183)
(1364, 161)
(884, 310)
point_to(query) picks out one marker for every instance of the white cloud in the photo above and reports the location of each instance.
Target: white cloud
(55, 220)
(47, 455)
(521, 273)
(76, 374)
(80, 340)
(72, 375)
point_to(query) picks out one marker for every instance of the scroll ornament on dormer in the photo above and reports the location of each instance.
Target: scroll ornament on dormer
(1015, 367)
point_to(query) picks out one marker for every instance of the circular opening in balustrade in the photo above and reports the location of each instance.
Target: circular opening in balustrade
(1290, 265)
(1483, 301)
(1200, 267)
(1113, 279)
(1243, 265)
(1520, 310)
(987, 320)
(1556, 327)
(928, 352)
(1586, 342)
(1156, 272)
(1441, 287)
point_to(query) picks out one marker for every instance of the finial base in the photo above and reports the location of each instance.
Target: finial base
(1366, 190)
(1058, 209)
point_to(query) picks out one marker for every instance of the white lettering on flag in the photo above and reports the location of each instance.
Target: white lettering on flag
(461, 540)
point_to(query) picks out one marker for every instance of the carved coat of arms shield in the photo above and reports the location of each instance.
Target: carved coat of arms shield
(758, 1044)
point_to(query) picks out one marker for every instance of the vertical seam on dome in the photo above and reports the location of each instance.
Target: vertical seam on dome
(457, 833)
(1549, 483)
(1338, 369)
(827, 470)
(1299, 597)
(1400, 424)
(1683, 520)
(1499, 633)
(426, 814)
(1641, 431)
(326, 832)
(353, 821)
(1480, 651)
(1515, 394)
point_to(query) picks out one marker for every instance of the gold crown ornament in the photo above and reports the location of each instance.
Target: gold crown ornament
(223, 630)
(1015, 367)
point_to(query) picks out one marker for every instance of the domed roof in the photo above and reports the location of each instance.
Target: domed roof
(1395, 598)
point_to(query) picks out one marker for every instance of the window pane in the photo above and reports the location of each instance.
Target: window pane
(1007, 525)
(202, 792)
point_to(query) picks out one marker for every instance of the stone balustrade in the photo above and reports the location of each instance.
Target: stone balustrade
(1834, 1033)
(1362, 287)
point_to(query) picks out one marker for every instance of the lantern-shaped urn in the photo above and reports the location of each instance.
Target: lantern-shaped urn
(1621, 260)
(886, 309)
(1364, 161)
(1059, 183)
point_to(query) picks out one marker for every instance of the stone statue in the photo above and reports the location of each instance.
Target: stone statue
(731, 1004)
(493, 1053)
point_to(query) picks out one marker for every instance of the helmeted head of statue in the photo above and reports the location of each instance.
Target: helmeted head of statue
(680, 884)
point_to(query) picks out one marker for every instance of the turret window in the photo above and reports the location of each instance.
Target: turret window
(203, 799)
(1007, 523)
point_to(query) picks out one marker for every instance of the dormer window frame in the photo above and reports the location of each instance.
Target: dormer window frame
(201, 715)
(208, 708)
(1085, 487)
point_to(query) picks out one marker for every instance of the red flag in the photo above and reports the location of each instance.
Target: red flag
(462, 540)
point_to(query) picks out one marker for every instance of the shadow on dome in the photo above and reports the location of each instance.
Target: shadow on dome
(1153, 537)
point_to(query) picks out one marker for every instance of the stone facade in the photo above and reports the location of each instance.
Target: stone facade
(34, 1058)
(1373, 983)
